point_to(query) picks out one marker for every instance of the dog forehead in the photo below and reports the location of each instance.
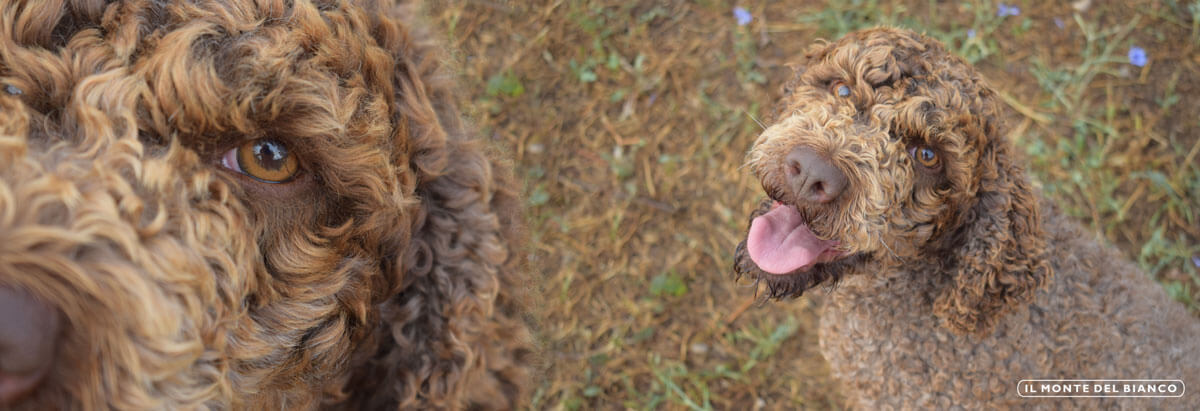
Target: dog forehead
(211, 74)
(875, 55)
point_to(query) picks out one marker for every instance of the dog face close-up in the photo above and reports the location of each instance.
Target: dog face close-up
(599, 204)
(244, 204)
(878, 152)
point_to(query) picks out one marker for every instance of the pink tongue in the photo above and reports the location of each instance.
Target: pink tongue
(780, 242)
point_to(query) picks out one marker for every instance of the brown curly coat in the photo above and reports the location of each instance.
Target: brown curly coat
(383, 275)
(950, 284)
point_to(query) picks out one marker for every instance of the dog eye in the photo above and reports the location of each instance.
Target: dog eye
(840, 89)
(925, 156)
(266, 159)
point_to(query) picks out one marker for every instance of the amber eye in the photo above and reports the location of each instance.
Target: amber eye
(840, 89)
(266, 159)
(925, 156)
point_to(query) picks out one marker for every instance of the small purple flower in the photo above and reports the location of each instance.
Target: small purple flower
(1196, 261)
(1059, 22)
(1137, 56)
(971, 33)
(1004, 10)
(743, 17)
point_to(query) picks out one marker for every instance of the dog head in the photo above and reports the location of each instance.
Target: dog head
(887, 151)
(234, 204)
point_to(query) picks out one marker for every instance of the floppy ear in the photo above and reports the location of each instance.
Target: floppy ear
(1000, 261)
(451, 333)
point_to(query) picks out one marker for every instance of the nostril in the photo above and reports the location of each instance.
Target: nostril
(794, 169)
(834, 188)
(28, 329)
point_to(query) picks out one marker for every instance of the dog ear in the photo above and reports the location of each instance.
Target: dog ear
(999, 257)
(451, 333)
(453, 336)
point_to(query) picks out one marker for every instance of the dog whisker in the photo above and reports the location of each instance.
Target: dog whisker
(760, 124)
(885, 245)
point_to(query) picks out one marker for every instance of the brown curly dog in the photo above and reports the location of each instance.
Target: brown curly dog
(247, 204)
(889, 174)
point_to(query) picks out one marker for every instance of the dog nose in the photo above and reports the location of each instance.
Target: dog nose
(28, 328)
(817, 179)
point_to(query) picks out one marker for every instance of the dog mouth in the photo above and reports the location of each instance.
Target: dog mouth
(780, 242)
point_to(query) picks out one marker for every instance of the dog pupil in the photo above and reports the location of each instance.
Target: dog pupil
(270, 154)
(926, 154)
(843, 91)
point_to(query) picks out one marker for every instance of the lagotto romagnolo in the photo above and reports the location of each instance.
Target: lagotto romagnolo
(890, 179)
(247, 205)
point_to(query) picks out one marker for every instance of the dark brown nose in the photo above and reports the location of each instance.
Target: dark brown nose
(813, 176)
(28, 329)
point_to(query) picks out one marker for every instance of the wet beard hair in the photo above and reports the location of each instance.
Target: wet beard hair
(794, 284)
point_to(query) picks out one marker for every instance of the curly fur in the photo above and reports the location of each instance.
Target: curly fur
(385, 275)
(956, 280)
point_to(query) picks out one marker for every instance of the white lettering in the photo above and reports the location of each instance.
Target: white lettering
(1068, 388)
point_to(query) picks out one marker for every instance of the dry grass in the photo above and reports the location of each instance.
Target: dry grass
(628, 122)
